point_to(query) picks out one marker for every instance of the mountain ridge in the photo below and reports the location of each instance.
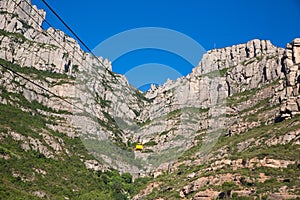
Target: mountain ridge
(216, 118)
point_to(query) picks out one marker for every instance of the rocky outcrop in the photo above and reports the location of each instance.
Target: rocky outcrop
(26, 13)
(206, 195)
(94, 165)
(50, 50)
(201, 182)
(196, 187)
(246, 66)
(280, 196)
(146, 190)
(40, 194)
(291, 65)
(236, 69)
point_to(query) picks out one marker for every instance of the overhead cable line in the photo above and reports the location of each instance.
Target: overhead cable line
(27, 79)
(66, 25)
(41, 87)
(69, 28)
(100, 62)
(73, 56)
(58, 42)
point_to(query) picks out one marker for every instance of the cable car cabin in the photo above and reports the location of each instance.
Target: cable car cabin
(139, 146)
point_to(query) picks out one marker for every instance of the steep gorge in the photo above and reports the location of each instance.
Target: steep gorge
(210, 133)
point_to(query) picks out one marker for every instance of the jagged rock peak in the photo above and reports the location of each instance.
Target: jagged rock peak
(227, 57)
(25, 11)
(245, 66)
(50, 49)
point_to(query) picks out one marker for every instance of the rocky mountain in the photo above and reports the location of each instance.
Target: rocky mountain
(256, 154)
(230, 129)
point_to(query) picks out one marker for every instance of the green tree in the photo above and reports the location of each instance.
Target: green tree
(127, 177)
(227, 187)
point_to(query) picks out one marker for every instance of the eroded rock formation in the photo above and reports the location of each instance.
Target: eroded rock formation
(291, 66)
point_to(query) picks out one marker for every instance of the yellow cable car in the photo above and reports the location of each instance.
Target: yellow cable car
(139, 146)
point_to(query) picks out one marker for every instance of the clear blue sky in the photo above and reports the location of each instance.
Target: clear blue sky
(211, 23)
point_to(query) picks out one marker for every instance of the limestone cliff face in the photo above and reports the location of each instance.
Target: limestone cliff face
(27, 14)
(238, 68)
(25, 43)
(248, 65)
(291, 66)
(244, 67)
(50, 50)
